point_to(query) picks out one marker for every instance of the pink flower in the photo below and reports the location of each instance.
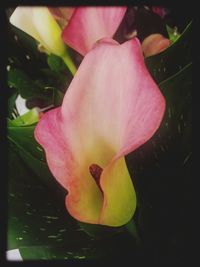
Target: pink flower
(111, 107)
(87, 25)
(154, 44)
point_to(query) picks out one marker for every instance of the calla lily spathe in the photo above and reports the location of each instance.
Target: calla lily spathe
(87, 25)
(39, 23)
(111, 107)
(154, 44)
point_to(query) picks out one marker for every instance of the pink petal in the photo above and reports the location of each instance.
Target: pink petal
(84, 200)
(111, 107)
(117, 98)
(89, 24)
(154, 44)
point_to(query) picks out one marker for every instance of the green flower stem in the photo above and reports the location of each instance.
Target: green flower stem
(70, 64)
(132, 229)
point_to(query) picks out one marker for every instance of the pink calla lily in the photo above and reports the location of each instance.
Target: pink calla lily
(111, 107)
(154, 44)
(87, 25)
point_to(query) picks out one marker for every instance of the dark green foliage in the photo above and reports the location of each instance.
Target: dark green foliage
(38, 222)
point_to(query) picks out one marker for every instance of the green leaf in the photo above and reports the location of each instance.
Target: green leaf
(29, 72)
(36, 216)
(27, 42)
(100, 231)
(38, 89)
(25, 86)
(22, 139)
(23, 52)
(161, 169)
(169, 146)
(173, 34)
(40, 226)
(11, 104)
(29, 118)
(167, 63)
(56, 63)
(59, 81)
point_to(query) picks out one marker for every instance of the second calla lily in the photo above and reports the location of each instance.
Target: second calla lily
(39, 23)
(111, 107)
(87, 25)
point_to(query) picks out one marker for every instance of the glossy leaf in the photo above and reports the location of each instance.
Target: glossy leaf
(11, 104)
(160, 150)
(173, 34)
(163, 173)
(41, 228)
(56, 63)
(25, 86)
(23, 52)
(29, 151)
(29, 221)
(29, 73)
(29, 118)
(173, 59)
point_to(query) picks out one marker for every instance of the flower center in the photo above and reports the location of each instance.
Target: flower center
(95, 171)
